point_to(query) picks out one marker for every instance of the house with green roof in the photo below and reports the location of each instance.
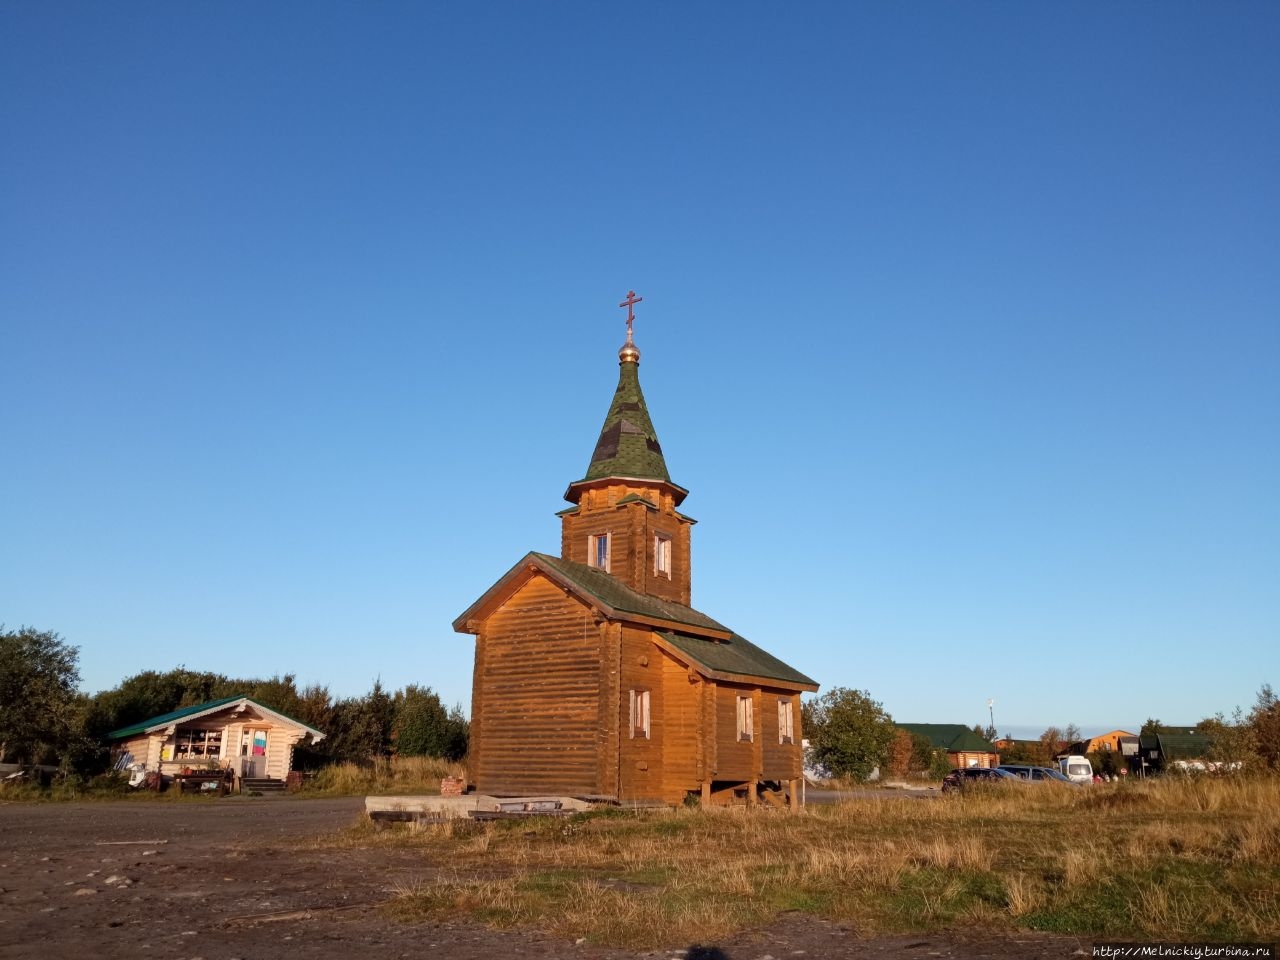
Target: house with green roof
(237, 734)
(1182, 748)
(964, 747)
(596, 678)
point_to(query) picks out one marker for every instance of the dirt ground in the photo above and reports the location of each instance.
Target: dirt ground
(229, 879)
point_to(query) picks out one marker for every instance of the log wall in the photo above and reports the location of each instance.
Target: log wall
(640, 759)
(536, 698)
(632, 528)
(736, 759)
(782, 761)
(684, 730)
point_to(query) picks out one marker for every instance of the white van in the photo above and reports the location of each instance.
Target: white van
(1076, 768)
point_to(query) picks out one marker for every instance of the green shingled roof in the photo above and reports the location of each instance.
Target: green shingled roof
(164, 719)
(636, 498)
(211, 706)
(1184, 746)
(737, 655)
(732, 655)
(617, 596)
(953, 737)
(628, 444)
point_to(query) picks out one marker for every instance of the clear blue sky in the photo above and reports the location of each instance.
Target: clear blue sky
(961, 325)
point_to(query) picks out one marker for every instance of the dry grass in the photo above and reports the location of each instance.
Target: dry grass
(1173, 860)
(396, 775)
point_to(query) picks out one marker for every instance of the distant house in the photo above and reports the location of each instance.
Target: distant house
(1175, 748)
(1102, 743)
(964, 747)
(235, 733)
(1107, 742)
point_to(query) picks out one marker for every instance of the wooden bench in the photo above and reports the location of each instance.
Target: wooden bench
(204, 781)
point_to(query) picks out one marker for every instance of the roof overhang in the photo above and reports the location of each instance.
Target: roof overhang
(167, 727)
(722, 676)
(578, 487)
(531, 566)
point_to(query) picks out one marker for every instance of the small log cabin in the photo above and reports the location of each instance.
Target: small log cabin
(235, 733)
(595, 678)
(964, 747)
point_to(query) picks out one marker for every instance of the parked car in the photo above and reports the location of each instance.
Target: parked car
(971, 776)
(1035, 774)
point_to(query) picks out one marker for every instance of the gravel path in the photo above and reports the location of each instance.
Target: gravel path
(233, 879)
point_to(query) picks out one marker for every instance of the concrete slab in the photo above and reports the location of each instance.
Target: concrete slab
(447, 808)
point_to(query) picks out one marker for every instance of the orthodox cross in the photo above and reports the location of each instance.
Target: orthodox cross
(630, 304)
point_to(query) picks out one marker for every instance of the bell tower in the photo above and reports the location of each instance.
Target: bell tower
(624, 520)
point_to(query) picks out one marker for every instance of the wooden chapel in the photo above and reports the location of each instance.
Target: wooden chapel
(595, 678)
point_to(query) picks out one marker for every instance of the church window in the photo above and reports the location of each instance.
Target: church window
(598, 551)
(640, 714)
(746, 724)
(662, 555)
(786, 722)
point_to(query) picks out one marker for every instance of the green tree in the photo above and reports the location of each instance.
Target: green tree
(361, 727)
(1151, 727)
(315, 707)
(924, 754)
(1021, 751)
(1231, 743)
(1264, 722)
(939, 763)
(149, 694)
(278, 693)
(849, 733)
(1050, 745)
(39, 703)
(1104, 762)
(424, 728)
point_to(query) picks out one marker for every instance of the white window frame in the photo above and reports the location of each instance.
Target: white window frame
(598, 547)
(197, 743)
(640, 714)
(746, 719)
(662, 555)
(786, 721)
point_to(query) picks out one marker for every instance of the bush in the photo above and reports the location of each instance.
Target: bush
(849, 733)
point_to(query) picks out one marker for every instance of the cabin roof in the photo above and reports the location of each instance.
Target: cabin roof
(735, 657)
(200, 710)
(1178, 746)
(954, 737)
